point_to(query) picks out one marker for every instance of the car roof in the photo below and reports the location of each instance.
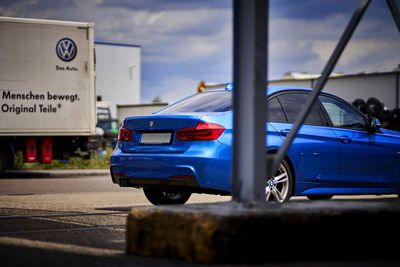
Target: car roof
(273, 89)
(277, 89)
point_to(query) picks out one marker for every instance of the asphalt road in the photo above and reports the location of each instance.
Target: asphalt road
(80, 221)
(76, 221)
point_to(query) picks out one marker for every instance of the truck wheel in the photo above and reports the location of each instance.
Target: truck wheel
(3, 163)
(165, 197)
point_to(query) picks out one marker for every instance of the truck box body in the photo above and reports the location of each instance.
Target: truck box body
(46, 78)
(47, 89)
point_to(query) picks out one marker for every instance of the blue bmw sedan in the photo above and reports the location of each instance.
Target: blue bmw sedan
(186, 148)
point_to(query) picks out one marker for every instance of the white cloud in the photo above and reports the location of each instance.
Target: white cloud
(174, 88)
(201, 38)
(167, 36)
(362, 55)
(306, 45)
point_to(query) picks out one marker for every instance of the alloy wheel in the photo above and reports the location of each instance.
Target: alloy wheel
(278, 186)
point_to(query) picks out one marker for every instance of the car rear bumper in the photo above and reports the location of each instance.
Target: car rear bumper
(195, 172)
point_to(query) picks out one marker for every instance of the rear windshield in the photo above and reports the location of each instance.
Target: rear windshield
(217, 101)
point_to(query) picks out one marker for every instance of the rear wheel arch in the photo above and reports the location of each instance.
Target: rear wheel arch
(291, 166)
(293, 173)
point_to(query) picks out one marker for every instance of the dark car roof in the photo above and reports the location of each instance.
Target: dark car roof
(277, 89)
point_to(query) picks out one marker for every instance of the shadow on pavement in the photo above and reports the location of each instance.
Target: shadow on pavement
(126, 208)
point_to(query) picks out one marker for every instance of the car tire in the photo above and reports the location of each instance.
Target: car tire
(319, 197)
(166, 197)
(3, 163)
(280, 187)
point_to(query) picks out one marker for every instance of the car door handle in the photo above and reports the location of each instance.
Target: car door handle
(345, 139)
(285, 132)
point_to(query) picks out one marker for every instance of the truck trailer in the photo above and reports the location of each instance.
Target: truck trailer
(47, 89)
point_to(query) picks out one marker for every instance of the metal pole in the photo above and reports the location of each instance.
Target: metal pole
(250, 21)
(395, 12)
(346, 36)
(397, 89)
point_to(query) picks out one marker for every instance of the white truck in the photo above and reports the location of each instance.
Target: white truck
(47, 89)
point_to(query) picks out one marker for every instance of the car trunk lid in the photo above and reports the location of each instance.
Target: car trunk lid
(157, 133)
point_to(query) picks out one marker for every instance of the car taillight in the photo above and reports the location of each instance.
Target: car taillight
(124, 134)
(203, 131)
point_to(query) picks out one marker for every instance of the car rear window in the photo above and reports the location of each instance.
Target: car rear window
(217, 101)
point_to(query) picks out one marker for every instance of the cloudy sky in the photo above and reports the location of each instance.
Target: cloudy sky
(185, 41)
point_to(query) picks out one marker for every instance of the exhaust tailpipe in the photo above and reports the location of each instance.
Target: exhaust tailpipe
(122, 183)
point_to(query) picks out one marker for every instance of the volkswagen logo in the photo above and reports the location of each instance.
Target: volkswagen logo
(151, 123)
(66, 49)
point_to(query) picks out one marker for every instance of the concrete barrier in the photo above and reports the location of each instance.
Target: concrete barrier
(235, 233)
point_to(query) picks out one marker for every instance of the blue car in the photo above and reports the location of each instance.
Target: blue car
(186, 148)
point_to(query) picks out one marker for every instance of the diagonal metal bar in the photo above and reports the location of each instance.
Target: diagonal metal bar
(394, 9)
(346, 36)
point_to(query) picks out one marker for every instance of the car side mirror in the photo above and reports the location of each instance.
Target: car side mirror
(374, 125)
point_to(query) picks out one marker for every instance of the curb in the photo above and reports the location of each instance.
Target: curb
(234, 233)
(55, 173)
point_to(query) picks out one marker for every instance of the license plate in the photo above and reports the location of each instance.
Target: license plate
(155, 138)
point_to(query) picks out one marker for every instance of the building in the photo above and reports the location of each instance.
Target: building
(384, 86)
(118, 70)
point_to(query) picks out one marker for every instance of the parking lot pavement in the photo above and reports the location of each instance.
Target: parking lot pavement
(81, 221)
(69, 221)
(67, 173)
